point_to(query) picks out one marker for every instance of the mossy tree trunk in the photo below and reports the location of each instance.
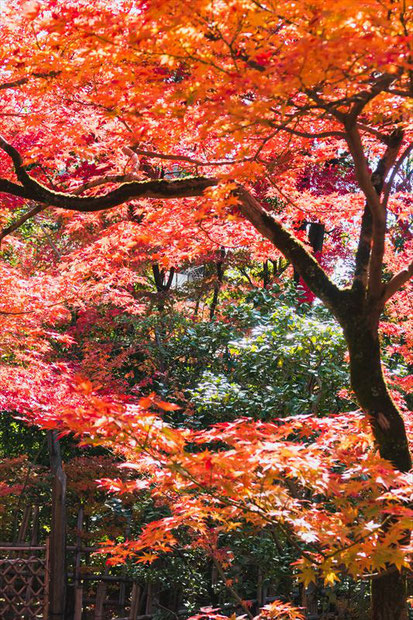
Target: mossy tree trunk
(372, 393)
(388, 591)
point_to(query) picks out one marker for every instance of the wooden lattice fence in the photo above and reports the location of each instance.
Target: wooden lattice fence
(23, 583)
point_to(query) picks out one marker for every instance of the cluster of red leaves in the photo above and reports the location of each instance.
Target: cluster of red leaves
(317, 481)
(277, 610)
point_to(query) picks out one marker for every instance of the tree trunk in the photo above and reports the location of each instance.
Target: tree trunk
(388, 595)
(367, 380)
(217, 285)
(163, 283)
(370, 388)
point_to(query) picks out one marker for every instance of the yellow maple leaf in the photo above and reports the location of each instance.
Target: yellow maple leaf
(330, 578)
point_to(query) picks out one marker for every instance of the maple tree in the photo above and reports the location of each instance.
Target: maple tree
(240, 104)
(316, 481)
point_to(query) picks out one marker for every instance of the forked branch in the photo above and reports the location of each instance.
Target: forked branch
(373, 229)
(368, 262)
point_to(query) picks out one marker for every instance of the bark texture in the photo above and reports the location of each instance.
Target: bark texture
(370, 388)
(388, 592)
(388, 597)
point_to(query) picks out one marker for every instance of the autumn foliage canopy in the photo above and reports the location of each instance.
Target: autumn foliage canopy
(158, 133)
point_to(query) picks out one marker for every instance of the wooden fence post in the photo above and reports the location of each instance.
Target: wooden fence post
(46, 580)
(152, 598)
(78, 581)
(122, 585)
(100, 598)
(135, 602)
(57, 561)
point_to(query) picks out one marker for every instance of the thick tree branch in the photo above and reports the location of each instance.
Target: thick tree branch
(17, 160)
(8, 187)
(387, 161)
(312, 273)
(362, 173)
(397, 281)
(14, 84)
(378, 217)
(360, 279)
(372, 187)
(375, 286)
(22, 81)
(159, 188)
(363, 97)
(396, 168)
